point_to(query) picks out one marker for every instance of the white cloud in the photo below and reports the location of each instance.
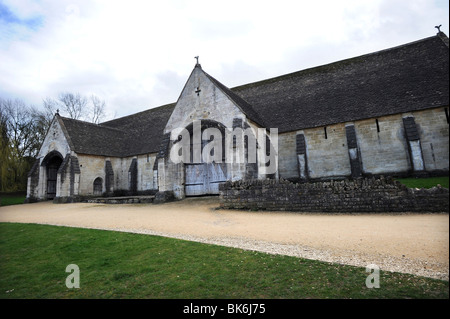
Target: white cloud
(138, 54)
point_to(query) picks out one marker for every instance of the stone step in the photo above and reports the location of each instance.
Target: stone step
(122, 200)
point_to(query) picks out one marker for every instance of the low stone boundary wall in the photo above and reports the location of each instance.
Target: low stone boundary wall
(344, 196)
(105, 200)
(122, 200)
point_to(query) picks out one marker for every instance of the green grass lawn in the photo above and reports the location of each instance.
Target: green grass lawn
(425, 182)
(33, 260)
(12, 198)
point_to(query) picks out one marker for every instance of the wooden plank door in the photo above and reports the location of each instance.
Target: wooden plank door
(195, 179)
(51, 182)
(215, 175)
(204, 178)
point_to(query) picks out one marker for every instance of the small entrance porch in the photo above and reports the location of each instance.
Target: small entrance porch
(51, 163)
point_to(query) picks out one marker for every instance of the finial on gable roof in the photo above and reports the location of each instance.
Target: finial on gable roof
(439, 28)
(197, 64)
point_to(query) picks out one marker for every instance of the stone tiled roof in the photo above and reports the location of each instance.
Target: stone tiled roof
(406, 78)
(144, 130)
(140, 133)
(89, 138)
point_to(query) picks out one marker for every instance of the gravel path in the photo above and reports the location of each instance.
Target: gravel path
(409, 243)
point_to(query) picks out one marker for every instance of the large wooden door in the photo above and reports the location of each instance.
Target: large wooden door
(204, 178)
(215, 176)
(52, 174)
(53, 162)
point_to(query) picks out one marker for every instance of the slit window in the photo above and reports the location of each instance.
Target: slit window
(446, 113)
(378, 125)
(325, 132)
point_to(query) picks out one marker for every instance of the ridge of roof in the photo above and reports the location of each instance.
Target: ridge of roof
(60, 120)
(443, 37)
(68, 119)
(327, 66)
(140, 113)
(408, 77)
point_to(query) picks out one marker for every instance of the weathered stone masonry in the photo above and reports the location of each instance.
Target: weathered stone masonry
(345, 196)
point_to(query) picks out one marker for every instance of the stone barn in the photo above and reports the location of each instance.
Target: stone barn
(384, 113)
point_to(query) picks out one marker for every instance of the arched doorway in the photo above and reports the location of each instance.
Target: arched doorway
(98, 186)
(52, 162)
(203, 178)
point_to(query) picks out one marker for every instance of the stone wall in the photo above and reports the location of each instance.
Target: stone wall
(91, 167)
(381, 146)
(117, 171)
(433, 129)
(146, 180)
(327, 153)
(345, 196)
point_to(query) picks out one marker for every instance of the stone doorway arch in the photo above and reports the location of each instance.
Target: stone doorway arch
(204, 178)
(98, 186)
(52, 161)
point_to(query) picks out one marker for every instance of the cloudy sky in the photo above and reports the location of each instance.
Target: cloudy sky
(138, 55)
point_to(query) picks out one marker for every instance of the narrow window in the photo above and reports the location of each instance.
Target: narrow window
(148, 158)
(325, 131)
(446, 113)
(378, 125)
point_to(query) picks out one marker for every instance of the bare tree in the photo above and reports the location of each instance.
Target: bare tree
(74, 104)
(42, 121)
(98, 109)
(51, 107)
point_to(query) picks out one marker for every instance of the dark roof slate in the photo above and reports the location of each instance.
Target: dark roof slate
(136, 134)
(89, 138)
(144, 130)
(406, 78)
